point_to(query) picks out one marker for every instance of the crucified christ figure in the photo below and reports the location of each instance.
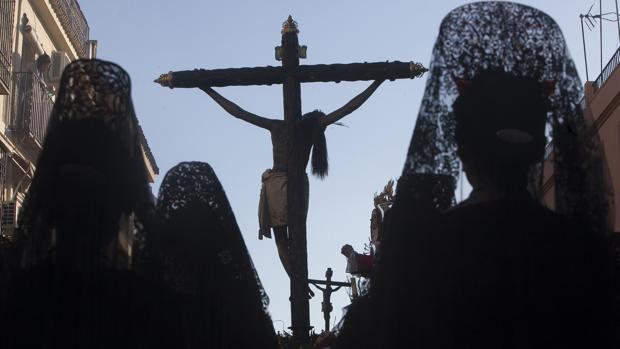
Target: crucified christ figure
(310, 130)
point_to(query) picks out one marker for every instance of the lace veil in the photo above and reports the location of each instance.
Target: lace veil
(93, 126)
(203, 253)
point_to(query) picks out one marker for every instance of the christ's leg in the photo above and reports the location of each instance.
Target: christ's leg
(284, 247)
(283, 242)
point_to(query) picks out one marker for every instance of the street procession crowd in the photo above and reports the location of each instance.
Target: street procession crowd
(497, 270)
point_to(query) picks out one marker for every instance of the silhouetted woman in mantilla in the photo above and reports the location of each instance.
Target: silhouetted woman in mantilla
(216, 298)
(81, 239)
(498, 270)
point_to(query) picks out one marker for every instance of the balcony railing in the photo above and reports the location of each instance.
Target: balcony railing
(74, 23)
(7, 10)
(608, 70)
(31, 106)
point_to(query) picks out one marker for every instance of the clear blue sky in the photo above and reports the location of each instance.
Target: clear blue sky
(150, 37)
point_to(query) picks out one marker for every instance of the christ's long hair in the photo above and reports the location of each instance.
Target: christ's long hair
(319, 162)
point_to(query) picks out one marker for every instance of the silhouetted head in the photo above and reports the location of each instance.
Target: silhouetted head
(315, 114)
(196, 221)
(500, 126)
(93, 126)
(91, 163)
(43, 62)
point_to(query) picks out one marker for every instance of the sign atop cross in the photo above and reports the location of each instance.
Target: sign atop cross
(290, 150)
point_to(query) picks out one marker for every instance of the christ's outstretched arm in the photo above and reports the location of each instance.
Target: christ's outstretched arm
(351, 106)
(237, 111)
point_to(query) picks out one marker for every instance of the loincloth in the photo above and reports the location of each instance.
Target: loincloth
(272, 206)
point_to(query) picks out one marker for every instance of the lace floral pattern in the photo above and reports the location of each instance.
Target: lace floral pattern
(95, 89)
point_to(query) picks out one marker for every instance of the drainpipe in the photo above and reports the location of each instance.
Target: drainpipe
(92, 49)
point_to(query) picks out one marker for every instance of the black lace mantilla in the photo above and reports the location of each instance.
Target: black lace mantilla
(78, 257)
(92, 125)
(190, 183)
(526, 42)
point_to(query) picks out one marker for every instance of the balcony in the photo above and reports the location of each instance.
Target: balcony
(5, 73)
(31, 107)
(74, 23)
(608, 70)
(7, 9)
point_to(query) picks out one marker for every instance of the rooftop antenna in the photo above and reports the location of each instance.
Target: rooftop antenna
(600, 13)
(590, 21)
(618, 19)
(590, 25)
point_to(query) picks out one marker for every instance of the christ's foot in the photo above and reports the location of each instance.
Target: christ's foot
(310, 294)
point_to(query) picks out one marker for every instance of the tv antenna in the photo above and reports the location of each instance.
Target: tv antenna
(590, 21)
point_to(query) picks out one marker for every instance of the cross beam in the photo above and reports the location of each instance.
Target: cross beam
(290, 75)
(304, 73)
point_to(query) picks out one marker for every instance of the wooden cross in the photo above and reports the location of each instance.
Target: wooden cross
(290, 75)
(326, 305)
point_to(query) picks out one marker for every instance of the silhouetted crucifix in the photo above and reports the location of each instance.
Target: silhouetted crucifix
(292, 139)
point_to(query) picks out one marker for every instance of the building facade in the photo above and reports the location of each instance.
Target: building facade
(601, 105)
(38, 38)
